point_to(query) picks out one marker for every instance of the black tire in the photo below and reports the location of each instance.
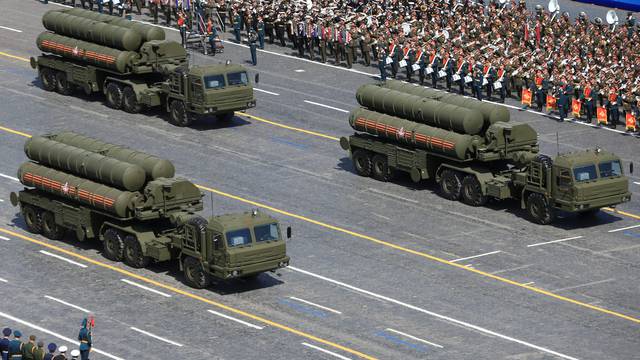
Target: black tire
(33, 218)
(194, 274)
(130, 102)
(133, 255)
(226, 117)
(539, 209)
(362, 162)
(50, 228)
(113, 245)
(472, 192)
(450, 185)
(48, 79)
(178, 114)
(380, 168)
(62, 84)
(114, 96)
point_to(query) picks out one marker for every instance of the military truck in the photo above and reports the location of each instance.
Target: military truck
(133, 204)
(135, 67)
(475, 154)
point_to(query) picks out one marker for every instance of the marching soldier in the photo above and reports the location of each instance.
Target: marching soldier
(490, 76)
(29, 348)
(478, 79)
(449, 68)
(4, 343)
(84, 336)
(500, 74)
(349, 46)
(461, 72)
(237, 19)
(394, 54)
(407, 57)
(434, 65)
(15, 346)
(420, 61)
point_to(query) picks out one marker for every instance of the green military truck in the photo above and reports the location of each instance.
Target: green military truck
(135, 67)
(133, 204)
(475, 154)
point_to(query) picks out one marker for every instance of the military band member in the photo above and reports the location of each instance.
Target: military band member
(382, 63)
(614, 100)
(587, 101)
(539, 92)
(408, 57)
(394, 54)
(260, 31)
(562, 102)
(420, 57)
(462, 72)
(449, 68)
(500, 78)
(365, 48)
(435, 66)
(489, 76)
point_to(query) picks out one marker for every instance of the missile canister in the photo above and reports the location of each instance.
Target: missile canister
(97, 32)
(85, 51)
(153, 166)
(491, 113)
(85, 163)
(146, 31)
(419, 109)
(102, 197)
(418, 135)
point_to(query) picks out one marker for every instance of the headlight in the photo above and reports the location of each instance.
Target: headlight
(234, 273)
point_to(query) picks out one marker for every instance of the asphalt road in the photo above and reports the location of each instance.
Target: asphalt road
(386, 270)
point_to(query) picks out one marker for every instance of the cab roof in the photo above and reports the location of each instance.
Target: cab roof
(590, 156)
(202, 70)
(247, 219)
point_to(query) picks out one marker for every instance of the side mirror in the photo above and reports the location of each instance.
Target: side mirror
(288, 232)
(256, 79)
(630, 168)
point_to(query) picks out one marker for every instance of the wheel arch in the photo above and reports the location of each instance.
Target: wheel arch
(483, 175)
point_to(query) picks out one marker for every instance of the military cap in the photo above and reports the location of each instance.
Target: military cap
(6, 331)
(63, 349)
(17, 333)
(75, 352)
(52, 347)
(40, 344)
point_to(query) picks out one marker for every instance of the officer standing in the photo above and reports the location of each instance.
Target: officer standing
(4, 343)
(500, 74)
(15, 346)
(62, 355)
(213, 35)
(477, 81)
(382, 63)
(84, 336)
(260, 29)
(435, 66)
(280, 30)
(449, 68)
(587, 100)
(39, 353)
(237, 19)
(394, 54)
(29, 348)
(52, 350)
(613, 104)
(324, 34)
(253, 38)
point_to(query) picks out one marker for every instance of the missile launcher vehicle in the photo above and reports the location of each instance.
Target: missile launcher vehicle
(132, 203)
(135, 68)
(475, 154)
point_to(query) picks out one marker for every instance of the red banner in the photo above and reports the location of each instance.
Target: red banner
(552, 102)
(576, 106)
(526, 97)
(601, 114)
(631, 122)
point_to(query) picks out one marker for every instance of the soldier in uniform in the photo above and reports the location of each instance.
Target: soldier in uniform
(563, 101)
(539, 92)
(29, 348)
(365, 48)
(461, 72)
(154, 7)
(587, 100)
(325, 34)
(478, 79)
(500, 78)
(269, 28)
(490, 75)
(449, 68)
(612, 105)
(394, 53)
(349, 46)
(253, 38)
(260, 31)
(52, 350)
(419, 59)
(15, 346)
(84, 336)
(301, 37)
(4, 343)
(166, 8)
(409, 58)
(311, 38)
(39, 353)
(280, 30)
(62, 355)
(237, 20)
(435, 66)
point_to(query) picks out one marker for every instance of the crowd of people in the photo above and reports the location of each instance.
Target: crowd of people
(490, 50)
(15, 349)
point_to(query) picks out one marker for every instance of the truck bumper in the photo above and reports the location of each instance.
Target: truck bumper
(611, 201)
(251, 269)
(213, 109)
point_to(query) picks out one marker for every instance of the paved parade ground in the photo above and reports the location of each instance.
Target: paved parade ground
(378, 270)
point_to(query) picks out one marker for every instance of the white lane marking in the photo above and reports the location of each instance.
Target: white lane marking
(555, 241)
(63, 258)
(156, 336)
(431, 313)
(68, 304)
(9, 177)
(1, 200)
(326, 106)
(299, 71)
(381, 216)
(326, 351)
(236, 320)
(624, 228)
(316, 305)
(4, 280)
(62, 337)
(23, 93)
(88, 111)
(380, 192)
(10, 29)
(63, 5)
(637, 182)
(583, 285)
(145, 288)
(266, 92)
(529, 283)
(476, 256)
(415, 338)
(4, 238)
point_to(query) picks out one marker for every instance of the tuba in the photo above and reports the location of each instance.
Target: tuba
(554, 8)
(612, 19)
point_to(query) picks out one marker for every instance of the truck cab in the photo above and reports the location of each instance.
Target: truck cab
(588, 180)
(236, 246)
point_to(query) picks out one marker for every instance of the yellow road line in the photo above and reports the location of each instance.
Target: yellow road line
(287, 126)
(14, 57)
(16, 132)
(190, 295)
(633, 216)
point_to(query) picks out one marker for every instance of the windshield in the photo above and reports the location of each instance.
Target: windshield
(610, 168)
(214, 81)
(266, 232)
(238, 237)
(238, 78)
(585, 173)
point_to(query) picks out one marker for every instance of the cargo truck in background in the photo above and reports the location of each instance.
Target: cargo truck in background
(474, 153)
(135, 67)
(132, 203)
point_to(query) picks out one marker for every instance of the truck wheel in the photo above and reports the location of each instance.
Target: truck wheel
(130, 101)
(62, 84)
(472, 191)
(450, 186)
(133, 255)
(539, 209)
(50, 228)
(178, 114)
(381, 169)
(114, 96)
(362, 162)
(194, 273)
(33, 219)
(226, 117)
(48, 79)
(113, 245)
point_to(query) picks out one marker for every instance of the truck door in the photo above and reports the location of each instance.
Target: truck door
(562, 185)
(215, 248)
